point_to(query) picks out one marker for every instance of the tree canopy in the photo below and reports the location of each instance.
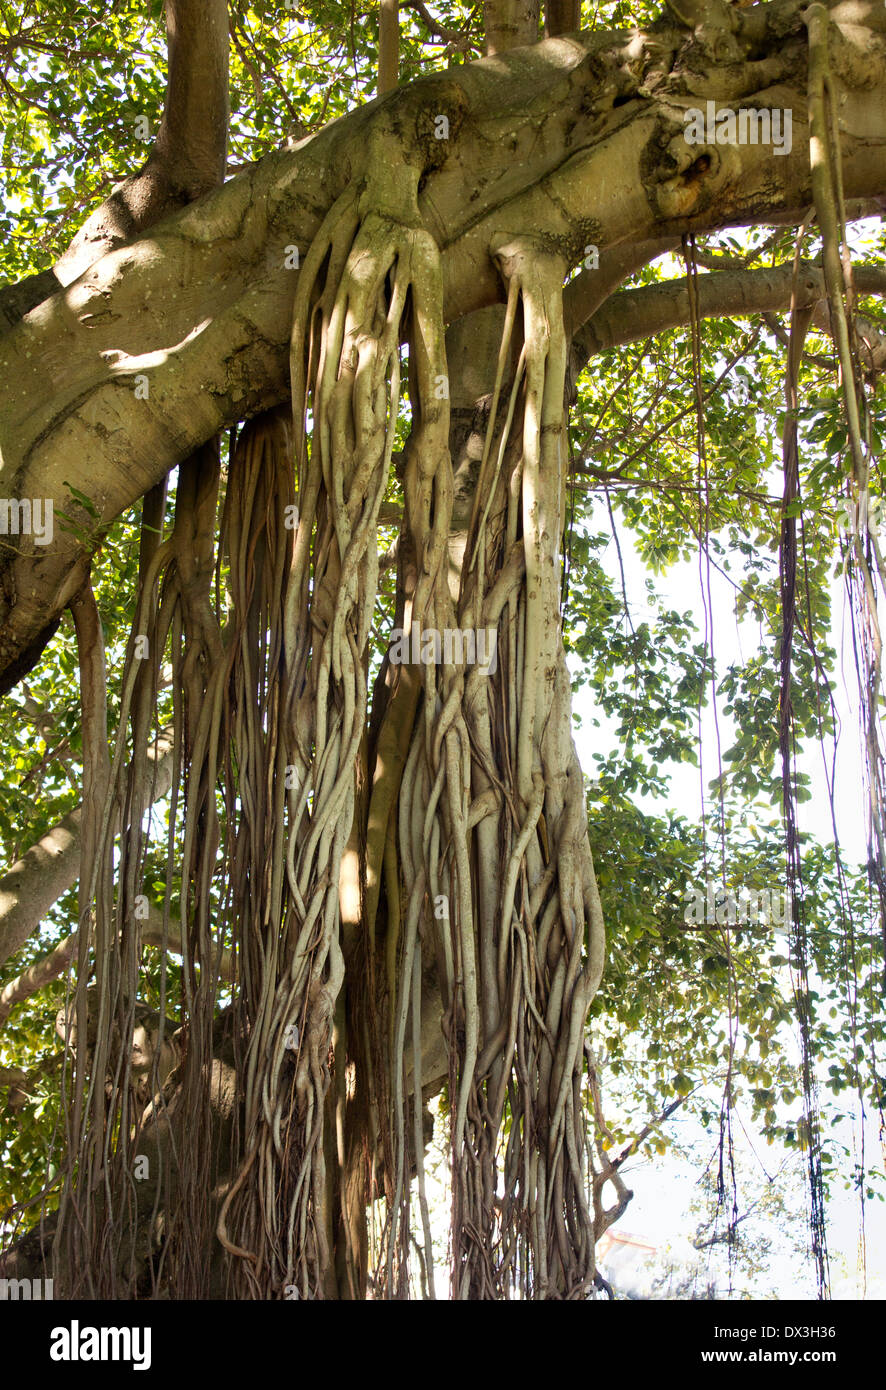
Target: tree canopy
(322, 327)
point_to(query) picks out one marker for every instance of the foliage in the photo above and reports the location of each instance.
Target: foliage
(700, 1007)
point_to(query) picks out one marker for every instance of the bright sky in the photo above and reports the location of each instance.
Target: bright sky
(665, 1187)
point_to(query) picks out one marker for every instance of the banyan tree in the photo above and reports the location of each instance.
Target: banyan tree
(332, 388)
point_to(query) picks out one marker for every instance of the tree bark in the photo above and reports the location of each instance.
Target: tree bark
(187, 157)
(388, 45)
(201, 309)
(50, 867)
(510, 24)
(562, 17)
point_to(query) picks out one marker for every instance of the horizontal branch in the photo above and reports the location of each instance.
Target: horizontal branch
(50, 867)
(56, 961)
(37, 976)
(186, 158)
(633, 315)
(152, 935)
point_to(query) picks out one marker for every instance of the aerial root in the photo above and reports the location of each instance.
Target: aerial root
(520, 947)
(360, 275)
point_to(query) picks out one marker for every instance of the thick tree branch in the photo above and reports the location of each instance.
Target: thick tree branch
(562, 17)
(186, 160)
(189, 153)
(388, 45)
(201, 308)
(152, 935)
(590, 289)
(56, 961)
(510, 24)
(37, 976)
(50, 867)
(633, 315)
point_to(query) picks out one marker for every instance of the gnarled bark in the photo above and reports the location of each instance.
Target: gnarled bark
(200, 308)
(469, 886)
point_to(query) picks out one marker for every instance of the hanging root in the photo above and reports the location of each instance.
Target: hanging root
(468, 869)
(864, 563)
(370, 269)
(492, 822)
(98, 1253)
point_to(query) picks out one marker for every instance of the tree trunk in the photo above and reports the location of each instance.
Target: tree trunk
(408, 882)
(510, 24)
